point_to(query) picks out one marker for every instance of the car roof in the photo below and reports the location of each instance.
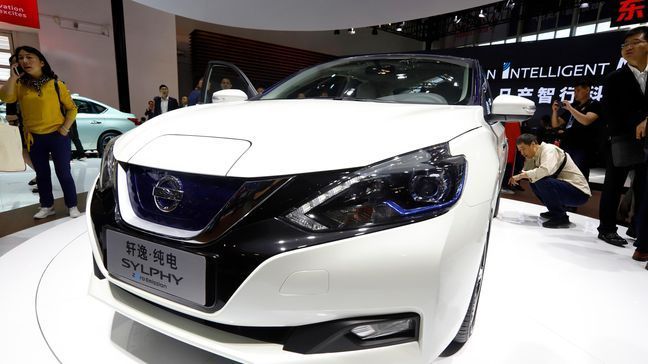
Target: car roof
(77, 96)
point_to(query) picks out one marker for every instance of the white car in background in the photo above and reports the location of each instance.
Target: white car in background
(341, 217)
(97, 122)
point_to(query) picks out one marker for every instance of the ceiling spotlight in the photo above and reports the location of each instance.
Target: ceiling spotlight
(457, 19)
(351, 31)
(481, 14)
(510, 4)
(584, 5)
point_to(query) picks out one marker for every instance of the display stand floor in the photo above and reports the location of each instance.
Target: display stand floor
(549, 296)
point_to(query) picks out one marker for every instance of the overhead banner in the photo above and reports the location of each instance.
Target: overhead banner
(546, 70)
(20, 12)
(627, 12)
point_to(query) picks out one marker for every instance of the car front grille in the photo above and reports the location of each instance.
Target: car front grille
(179, 200)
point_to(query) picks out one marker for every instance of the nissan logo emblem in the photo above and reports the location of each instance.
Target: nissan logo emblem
(167, 193)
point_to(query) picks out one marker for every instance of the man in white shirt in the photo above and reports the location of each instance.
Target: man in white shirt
(164, 103)
(555, 179)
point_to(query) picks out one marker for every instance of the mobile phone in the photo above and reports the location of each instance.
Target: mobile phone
(18, 70)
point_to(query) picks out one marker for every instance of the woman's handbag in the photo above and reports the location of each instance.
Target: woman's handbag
(627, 151)
(11, 158)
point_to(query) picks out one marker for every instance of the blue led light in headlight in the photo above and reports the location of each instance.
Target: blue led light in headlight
(421, 184)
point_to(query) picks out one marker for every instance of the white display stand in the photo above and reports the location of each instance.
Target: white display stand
(549, 296)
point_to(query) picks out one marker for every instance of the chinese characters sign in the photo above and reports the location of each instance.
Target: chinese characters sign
(158, 267)
(626, 12)
(20, 12)
(545, 95)
(545, 71)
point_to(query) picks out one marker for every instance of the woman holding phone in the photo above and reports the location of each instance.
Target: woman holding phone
(48, 113)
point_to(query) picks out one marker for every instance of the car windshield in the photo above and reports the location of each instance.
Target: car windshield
(411, 79)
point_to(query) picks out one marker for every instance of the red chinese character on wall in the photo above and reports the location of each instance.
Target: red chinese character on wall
(630, 10)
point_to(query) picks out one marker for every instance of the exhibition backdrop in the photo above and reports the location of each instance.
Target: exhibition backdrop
(545, 70)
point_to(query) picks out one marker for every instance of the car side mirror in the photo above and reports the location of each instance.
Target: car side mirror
(229, 95)
(508, 108)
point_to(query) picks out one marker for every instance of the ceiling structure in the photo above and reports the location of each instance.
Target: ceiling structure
(525, 16)
(308, 15)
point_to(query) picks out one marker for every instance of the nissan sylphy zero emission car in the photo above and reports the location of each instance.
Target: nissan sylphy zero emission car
(341, 217)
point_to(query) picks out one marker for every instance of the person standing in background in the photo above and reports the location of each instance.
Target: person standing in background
(79, 152)
(625, 106)
(580, 123)
(14, 118)
(164, 103)
(150, 108)
(195, 96)
(641, 253)
(36, 87)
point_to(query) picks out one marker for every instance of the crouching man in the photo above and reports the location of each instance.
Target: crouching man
(554, 178)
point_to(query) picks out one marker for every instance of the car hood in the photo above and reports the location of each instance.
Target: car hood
(283, 137)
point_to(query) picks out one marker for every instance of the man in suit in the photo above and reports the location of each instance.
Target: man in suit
(625, 106)
(164, 103)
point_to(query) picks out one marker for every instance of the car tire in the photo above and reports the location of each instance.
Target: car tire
(104, 139)
(465, 331)
(497, 205)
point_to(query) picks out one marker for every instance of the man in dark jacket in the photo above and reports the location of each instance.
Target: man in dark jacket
(641, 253)
(625, 106)
(164, 103)
(580, 122)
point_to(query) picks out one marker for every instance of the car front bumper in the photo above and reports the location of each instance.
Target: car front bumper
(426, 268)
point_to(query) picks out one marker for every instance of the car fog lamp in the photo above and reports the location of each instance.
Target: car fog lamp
(382, 329)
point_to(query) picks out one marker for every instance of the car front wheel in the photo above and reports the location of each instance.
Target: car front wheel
(104, 139)
(469, 320)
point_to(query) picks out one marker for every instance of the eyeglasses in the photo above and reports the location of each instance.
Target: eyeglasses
(632, 44)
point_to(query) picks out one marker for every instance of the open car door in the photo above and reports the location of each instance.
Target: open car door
(223, 76)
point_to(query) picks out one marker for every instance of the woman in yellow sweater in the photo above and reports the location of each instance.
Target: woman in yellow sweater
(47, 118)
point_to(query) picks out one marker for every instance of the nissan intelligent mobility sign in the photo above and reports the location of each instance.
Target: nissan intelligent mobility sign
(546, 70)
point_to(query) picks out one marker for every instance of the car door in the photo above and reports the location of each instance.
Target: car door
(497, 127)
(499, 134)
(223, 75)
(89, 122)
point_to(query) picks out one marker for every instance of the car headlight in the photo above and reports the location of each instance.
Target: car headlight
(417, 185)
(108, 169)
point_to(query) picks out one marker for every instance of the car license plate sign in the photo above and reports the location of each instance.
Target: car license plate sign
(160, 267)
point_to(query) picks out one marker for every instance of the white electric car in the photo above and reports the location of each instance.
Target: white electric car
(341, 217)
